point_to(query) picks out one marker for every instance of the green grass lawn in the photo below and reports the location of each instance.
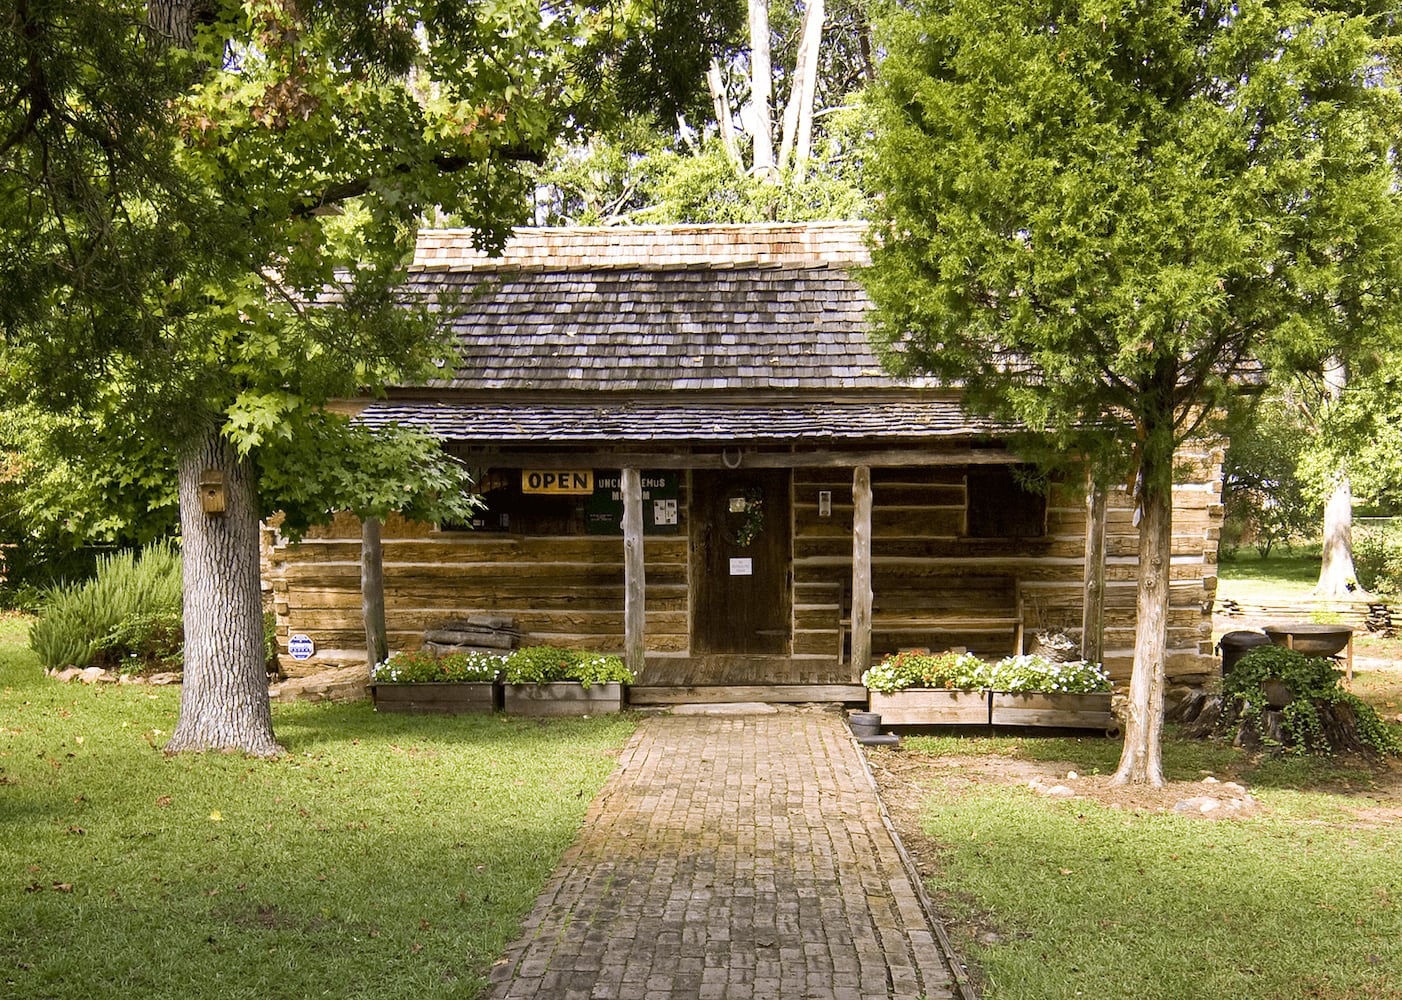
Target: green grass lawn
(383, 856)
(1082, 899)
(1285, 575)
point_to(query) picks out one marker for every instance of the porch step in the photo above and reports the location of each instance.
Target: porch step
(711, 694)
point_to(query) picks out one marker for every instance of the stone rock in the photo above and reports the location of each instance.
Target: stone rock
(93, 675)
(349, 683)
(65, 675)
(162, 679)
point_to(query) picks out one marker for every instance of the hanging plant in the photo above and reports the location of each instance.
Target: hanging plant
(751, 505)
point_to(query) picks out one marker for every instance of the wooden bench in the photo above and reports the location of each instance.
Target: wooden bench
(961, 605)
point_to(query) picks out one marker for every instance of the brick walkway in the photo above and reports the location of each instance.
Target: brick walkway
(732, 857)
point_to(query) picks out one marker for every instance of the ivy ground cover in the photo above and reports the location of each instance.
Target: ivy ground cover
(382, 856)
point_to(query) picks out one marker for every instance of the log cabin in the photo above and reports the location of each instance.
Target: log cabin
(689, 453)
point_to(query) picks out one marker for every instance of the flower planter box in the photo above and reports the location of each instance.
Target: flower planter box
(562, 698)
(1072, 711)
(442, 697)
(930, 707)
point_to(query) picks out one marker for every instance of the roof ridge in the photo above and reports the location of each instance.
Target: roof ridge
(699, 244)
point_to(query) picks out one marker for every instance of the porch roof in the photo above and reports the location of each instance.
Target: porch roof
(672, 421)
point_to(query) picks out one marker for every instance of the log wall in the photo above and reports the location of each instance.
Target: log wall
(569, 590)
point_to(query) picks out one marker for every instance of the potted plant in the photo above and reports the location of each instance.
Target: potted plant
(548, 680)
(1032, 690)
(418, 681)
(918, 688)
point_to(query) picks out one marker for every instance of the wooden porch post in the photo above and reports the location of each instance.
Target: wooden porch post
(634, 573)
(372, 591)
(1093, 610)
(861, 569)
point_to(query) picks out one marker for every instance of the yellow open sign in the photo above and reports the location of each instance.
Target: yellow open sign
(558, 481)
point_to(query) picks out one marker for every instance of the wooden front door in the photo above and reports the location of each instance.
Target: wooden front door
(740, 597)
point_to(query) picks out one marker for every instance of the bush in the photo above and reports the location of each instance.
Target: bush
(921, 668)
(420, 666)
(966, 672)
(543, 664)
(145, 641)
(123, 603)
(1313, 683)
(1377, 558)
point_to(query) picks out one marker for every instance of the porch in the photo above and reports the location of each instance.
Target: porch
(719, 678)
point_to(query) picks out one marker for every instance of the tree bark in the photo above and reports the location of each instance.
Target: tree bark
(798, 112)
(1337, 575)
(224, 698)
(372, 592)
(1141, 760)
(715, 82)
(761, 89)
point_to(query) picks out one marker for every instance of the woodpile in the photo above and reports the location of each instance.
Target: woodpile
(494, 634)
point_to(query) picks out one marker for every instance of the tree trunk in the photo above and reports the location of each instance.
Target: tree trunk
(1141, 760)
(798, 112)
(761, 89)
(224, 699)
(715, 82)
(372, 592)
(1337, 576)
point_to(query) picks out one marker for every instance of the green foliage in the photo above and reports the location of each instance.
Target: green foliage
(1313, 682)
(419, 666)
(143, 641)
(921, 668)
(1377, 556)
(1266, 501)
(965, 671)
(543, 664)
(639, 176)
(134, 598)
(1090, 215)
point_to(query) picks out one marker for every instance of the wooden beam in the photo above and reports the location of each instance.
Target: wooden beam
(861, 569)
(634, 579)
(372, 592)
(593, 457)
(1093, 609)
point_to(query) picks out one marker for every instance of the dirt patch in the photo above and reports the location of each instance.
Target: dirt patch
(906, 777)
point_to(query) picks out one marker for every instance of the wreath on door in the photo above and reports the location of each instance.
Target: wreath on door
(750, 505)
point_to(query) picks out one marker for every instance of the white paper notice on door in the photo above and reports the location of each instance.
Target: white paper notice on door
(742, 567)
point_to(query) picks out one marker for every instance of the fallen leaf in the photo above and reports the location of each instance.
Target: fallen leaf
(216, 817)
(63, 886)
(163, 801)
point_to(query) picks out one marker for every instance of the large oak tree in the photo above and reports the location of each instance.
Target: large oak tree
(1094, 214)
(206, 209)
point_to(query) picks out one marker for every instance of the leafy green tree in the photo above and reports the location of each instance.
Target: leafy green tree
(1266, 500)
(1091, 214)
(207, 207)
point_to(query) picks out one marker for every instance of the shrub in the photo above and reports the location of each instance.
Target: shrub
(921, 668)
(542, 664)
(1037, 673)
(144, 641)
(966, 672)
(420, 666)
(77, 620)
(1313, 682)
(1377, 558)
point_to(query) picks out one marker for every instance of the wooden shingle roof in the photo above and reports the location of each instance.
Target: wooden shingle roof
(725, 333)
(632, 329)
